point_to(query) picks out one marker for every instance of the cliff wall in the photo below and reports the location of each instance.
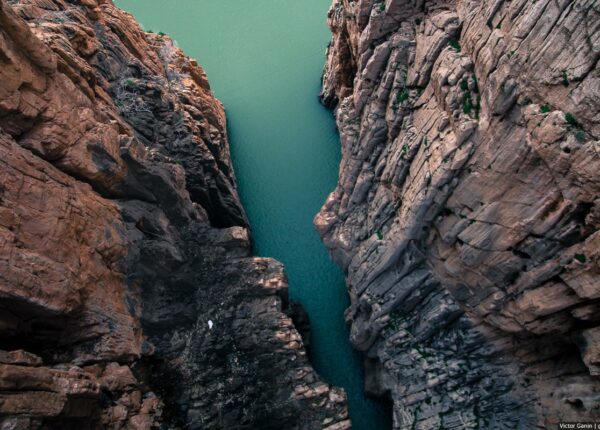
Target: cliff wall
(128, 294)
(467, 213)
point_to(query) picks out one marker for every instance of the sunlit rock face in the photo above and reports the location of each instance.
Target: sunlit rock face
(467, 211)
(128, 294)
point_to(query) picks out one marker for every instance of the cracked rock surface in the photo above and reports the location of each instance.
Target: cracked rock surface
(467, 212)
(129, 298)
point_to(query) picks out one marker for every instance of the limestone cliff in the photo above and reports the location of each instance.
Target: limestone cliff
(128, 295)
(467, 213)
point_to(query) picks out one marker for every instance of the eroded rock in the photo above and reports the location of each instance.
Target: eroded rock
(466, 213)
(122, 235)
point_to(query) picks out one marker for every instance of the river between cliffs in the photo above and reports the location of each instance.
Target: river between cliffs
(264, 59)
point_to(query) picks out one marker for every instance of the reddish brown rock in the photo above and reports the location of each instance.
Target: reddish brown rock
(19, 357)
(122, 235)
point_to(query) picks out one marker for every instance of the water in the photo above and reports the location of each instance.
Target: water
(264, 59)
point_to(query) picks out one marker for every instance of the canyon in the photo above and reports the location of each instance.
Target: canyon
(465, 220)
(467, 213)
(285, 150)
(129, 297)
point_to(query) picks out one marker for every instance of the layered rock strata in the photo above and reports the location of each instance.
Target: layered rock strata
(467, 213)
(128, 294)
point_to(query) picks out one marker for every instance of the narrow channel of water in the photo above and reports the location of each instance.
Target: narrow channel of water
(264, 59)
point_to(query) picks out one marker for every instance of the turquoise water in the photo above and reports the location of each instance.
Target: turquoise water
(264, 59)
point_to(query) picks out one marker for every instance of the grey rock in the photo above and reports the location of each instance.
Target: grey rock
(466, 213)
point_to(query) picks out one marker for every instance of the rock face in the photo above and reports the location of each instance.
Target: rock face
(128, 294)
(467, 212)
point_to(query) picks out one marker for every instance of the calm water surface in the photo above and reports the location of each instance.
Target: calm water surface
(263, 59)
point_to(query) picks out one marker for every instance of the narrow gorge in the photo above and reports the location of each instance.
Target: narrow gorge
(285, 151)
(170, 257)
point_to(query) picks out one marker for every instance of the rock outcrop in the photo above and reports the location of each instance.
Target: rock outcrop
(467, 213)
(128, 294)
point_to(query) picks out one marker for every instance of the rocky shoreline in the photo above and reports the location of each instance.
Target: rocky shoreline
(467, 213)
(129, 298)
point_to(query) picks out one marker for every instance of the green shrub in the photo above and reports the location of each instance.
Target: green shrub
(404, 151)
(580, 135)
(475, 85)
(571, 119)
(581, 258)
(454, 43)
(467, 104)
(402, 95)
(545, 109)
(395, 321)
(565, 78)
(464, 84)
(382, 7)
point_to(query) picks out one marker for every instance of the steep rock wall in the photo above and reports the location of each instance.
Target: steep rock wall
(467, 213)
(128, 294)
